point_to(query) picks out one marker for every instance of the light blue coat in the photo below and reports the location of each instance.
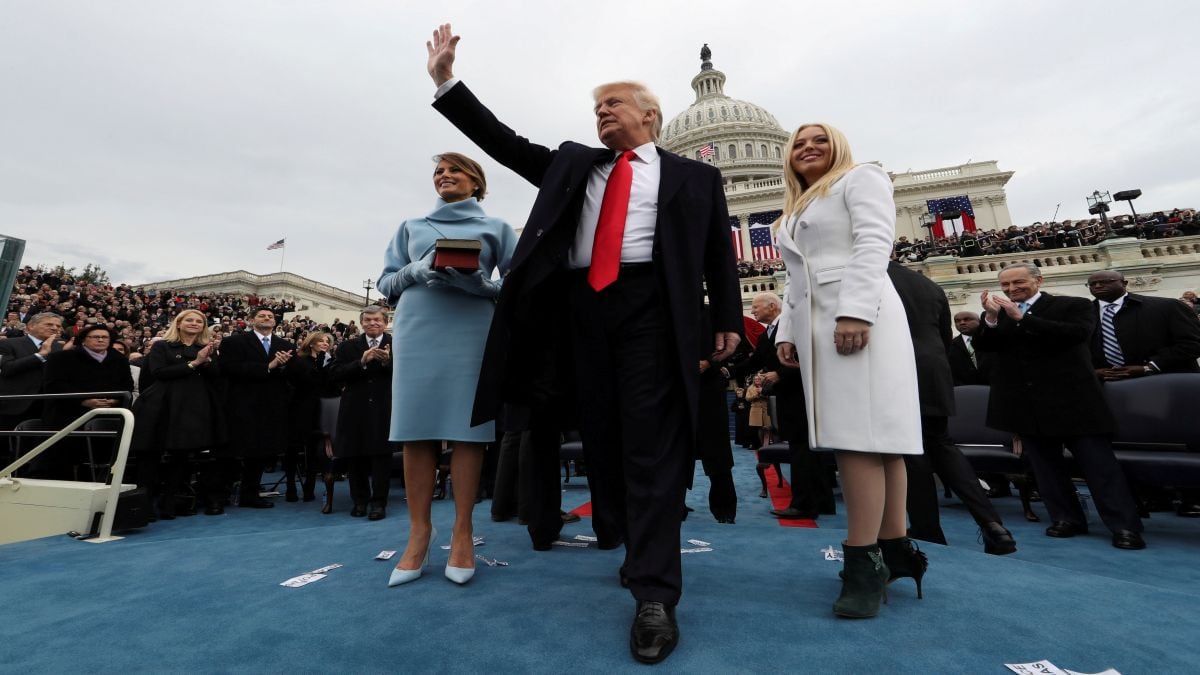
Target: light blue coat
(439, 333)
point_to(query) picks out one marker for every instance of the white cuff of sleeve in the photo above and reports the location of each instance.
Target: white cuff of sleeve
(446, 86)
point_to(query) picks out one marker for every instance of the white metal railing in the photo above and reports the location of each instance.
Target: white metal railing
(117, 469)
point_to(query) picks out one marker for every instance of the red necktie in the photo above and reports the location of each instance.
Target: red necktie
(610, 228)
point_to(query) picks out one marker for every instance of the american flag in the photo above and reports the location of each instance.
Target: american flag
(961, 203)
(706, 151)
(762, 244)
(735, 231)
(278, 244)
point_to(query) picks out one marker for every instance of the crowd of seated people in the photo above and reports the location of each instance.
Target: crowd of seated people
(65, 334)
(1049, 235)
(759, 268)
(139, 315)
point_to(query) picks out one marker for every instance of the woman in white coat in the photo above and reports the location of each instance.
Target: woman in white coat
(843, 325)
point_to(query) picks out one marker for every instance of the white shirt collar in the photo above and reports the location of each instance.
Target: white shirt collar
(647, 152)
(1119, 302)
(36, 342)
(262, 337)
(1036, 296)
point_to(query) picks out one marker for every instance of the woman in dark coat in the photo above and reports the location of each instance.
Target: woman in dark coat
(92, 366)
(181, 413)
(309, 374)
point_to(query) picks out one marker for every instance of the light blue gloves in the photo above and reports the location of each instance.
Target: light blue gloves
(417, 272)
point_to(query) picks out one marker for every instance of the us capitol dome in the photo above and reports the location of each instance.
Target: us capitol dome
(747, 144)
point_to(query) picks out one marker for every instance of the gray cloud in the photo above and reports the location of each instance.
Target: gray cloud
(165, 139)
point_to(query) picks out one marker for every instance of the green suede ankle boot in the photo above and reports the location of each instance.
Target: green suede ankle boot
(864, 582)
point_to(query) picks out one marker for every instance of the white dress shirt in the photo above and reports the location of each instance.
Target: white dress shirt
(637, 245)
(1119, 302)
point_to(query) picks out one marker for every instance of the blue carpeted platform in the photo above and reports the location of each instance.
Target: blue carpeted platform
(202, 594)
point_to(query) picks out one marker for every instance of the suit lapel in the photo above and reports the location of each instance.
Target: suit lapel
(670, 178)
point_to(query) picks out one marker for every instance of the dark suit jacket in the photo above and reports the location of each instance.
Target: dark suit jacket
(20, 372)
(364, 417)
(929, 324)
(76, 371)
(691, 245)
(966, 372)
(1162, 330)
(788, 391)
(257, 397)
(1043, 383)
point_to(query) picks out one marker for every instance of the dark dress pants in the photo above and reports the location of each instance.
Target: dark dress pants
(540, 500)
(505, 491)
(634, 424)
(370, 478)
(944, 458)
(1105, 480)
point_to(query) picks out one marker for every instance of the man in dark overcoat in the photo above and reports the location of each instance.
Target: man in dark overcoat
(1045, 390)
(625, 236)
(363, 366)
(256, 399)
(1149, 336)
(928, 314)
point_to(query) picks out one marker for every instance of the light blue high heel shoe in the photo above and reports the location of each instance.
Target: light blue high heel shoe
(460, 575)
(400, 576)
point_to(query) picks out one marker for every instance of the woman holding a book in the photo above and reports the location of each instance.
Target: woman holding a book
(438, 275)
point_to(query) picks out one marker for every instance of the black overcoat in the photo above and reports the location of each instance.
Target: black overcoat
(312, 379)
(691, 246)
(183, 408)
(928, 313)
(1043, 383)
(1162, 330)
(257, 397)
(74, 370)
(364, 417)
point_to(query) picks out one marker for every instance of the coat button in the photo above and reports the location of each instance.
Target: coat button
(539, 233)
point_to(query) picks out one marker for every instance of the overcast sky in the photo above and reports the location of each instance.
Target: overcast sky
(163, 139)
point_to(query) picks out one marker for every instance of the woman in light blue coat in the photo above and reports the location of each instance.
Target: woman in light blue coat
(438, 334)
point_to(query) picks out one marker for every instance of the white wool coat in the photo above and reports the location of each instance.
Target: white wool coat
(837, 251)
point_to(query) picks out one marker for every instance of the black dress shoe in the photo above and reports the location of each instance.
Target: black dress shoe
(654, 633)
(608, 545)
(569, 517)
(214, 509)
(376, 512)
(997, 540)
(1128, 540)
(1063, 529)
(793, 513)
(358, 511)
(1188, 510)
(727, 520)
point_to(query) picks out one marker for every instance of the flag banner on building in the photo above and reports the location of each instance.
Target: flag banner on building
(763, 244)
(278, 244)
(735, 227)
(961, 203)
(706, 151)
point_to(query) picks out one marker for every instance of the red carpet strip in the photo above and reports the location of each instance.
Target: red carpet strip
(781, 498)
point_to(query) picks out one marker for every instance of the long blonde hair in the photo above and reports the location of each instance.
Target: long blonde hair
(172, 334)
(796, 194)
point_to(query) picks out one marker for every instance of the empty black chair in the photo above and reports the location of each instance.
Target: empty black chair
(1158, 434)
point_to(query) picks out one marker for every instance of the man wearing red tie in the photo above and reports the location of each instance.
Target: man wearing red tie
(626, 237)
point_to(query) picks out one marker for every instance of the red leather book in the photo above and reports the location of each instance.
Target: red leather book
(461, 254)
